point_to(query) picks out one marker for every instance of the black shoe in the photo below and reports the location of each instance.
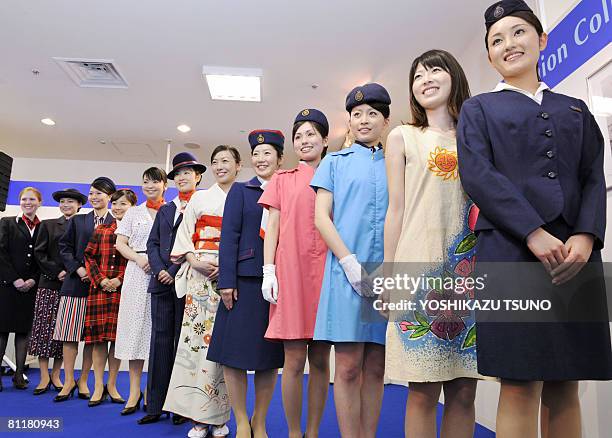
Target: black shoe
(84, 395)
(62, 398)
(178, 419)
(93, 403)
(151, 418)
(57, 388)
(118, 400)
(1, 387)
(132, 409)
(20, 383)
(39, 391)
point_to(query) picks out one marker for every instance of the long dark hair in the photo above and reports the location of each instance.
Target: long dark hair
(460, 89)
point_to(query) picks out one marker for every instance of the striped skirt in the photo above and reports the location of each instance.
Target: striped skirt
(45, 314)
(101, 316)
(70, 319)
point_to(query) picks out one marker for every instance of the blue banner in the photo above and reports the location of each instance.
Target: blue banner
(47, 189)
(580, 35)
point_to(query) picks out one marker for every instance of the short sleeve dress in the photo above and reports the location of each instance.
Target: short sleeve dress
(134, 321)
(358, 180)
(300, 255)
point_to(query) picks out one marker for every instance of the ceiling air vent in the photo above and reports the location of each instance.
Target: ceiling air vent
(99, 73)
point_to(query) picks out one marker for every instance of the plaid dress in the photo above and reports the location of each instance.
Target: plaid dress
(102, 260)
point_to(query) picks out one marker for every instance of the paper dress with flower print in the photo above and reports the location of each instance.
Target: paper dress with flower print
(197, 388)
(436, 241)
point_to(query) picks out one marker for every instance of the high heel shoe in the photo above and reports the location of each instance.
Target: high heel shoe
(62, 398)
(39, 391)
(131, 409)
(118, 400)
(57, 388)
(92, 403)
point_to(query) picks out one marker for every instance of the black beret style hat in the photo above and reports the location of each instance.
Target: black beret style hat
(502, 9)
(70, 193)
(368, 93)
(312, 115)
(185, 159)
(266, 136)
(104, 184)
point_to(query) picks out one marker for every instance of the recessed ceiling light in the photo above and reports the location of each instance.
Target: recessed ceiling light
(48, 122)
(183, 128)
(228, 83)
(192, 146)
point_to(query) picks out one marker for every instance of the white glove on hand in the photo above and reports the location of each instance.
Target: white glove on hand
(357, 276)
(269, 286)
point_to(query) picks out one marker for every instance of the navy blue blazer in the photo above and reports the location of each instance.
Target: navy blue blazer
(526, 165)
(72, 246)
(159, 246)
(241, 247)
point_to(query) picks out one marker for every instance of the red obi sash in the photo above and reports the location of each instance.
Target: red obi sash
(201, 242)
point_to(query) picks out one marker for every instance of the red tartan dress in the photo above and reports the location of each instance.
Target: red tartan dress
(102, 260)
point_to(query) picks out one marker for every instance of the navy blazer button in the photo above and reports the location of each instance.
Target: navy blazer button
(548, 133)
(552, 175)
(550, 154)
(544, 116)
(30, 246)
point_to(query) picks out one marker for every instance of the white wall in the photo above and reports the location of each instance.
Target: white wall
(596, 397)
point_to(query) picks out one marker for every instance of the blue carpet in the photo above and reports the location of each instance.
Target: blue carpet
(105, 421)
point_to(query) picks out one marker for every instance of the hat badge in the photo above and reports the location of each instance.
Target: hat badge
(305, 112)
(498, 12)
(260, 138)
(359, 96)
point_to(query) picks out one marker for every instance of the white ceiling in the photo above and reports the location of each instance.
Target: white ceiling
(160, 46)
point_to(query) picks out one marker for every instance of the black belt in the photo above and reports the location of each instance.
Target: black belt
(140, 252)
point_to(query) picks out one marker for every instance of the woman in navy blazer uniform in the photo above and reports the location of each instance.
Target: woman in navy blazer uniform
(532, 160)
(73, 295)
(18, 278)
(238, 335)
(52, 273)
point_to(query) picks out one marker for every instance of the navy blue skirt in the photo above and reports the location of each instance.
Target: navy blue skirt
(238, 334)
(570, 343)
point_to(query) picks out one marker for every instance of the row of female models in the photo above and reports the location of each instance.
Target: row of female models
(181, 283)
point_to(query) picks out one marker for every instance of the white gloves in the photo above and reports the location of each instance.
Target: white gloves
(357, 276)
(269, 286)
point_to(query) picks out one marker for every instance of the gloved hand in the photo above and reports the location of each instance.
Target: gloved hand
(357, 276)
(269, 286)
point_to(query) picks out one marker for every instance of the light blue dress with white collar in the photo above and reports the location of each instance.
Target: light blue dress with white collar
(358, 180)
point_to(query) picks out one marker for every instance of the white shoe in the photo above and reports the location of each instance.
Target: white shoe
(198, 431)
(220, 431)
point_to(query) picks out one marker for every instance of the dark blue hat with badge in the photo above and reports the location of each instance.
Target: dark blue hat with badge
(502, 9)
(267, 136)
(185, 159)
(371, 93)
(313, 115)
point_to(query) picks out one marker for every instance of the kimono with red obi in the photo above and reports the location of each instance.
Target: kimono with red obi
(197, 387)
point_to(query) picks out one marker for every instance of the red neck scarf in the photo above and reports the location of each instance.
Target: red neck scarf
(185, 196)
(31, 224)
(155, 204)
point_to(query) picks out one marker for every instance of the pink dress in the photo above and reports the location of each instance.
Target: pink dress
(300, 255)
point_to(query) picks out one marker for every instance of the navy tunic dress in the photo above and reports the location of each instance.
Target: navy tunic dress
(526, 166)
(238, 334)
